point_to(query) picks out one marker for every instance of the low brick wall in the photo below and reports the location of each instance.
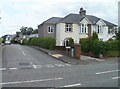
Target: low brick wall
(87, 54)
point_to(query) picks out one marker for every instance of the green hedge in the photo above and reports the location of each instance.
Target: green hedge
(0, 40)
(45, 42)
(97, 47)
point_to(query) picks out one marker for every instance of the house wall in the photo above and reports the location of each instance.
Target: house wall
(43, 31)
(40, 30)
(61, 35)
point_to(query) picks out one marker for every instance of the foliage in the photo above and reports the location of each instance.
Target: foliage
(35, 31)
(114, 45)
(0, 40)
(100, 47)
(45, 42)
(25, 42)
(95, 35)
(117, 35)
(71, 42)
(86, 44)
(28, 30)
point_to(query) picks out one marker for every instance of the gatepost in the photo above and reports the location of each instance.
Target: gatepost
(77, 48)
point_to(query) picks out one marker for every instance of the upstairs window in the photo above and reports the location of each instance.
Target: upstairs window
(50, 29)
(68, 27)
(83, 28)
(99, 29)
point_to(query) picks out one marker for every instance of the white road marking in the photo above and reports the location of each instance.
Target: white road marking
(21, 50)
(49, 65)
(2, 69)
(107, 72)
(13, 68)
(68, 64)
(33, 65)
(31, 81)
(73, 85)
(115, 77)
(38, 66)
(60, 65)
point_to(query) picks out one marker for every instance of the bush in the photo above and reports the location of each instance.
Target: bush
(87, 44)
(25, 42)
(114, 45)
(71, 42)
(0, 40)
(100, 47)
(45, 42)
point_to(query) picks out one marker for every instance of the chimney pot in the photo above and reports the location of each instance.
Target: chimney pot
(82, 12)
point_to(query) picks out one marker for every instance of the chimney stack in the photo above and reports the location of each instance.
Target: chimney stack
(82, 12)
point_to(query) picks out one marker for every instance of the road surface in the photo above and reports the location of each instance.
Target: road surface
(23, 66)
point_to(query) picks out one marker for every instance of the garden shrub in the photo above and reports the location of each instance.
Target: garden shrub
(71, 42)
(45, 42)
(0, 40)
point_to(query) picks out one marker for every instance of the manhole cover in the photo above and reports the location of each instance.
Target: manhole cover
(24, 63)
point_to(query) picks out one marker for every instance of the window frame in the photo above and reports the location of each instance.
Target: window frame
(68, 27)
(50, 29)
(84, 28)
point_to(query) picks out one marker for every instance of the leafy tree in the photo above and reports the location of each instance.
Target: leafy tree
(29, 30)
(17, 34)
(71, 42)
(35, 31)
(23, 30)
(118, 34)
(95, 35)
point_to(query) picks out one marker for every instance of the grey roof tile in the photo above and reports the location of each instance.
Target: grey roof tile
(53, 20)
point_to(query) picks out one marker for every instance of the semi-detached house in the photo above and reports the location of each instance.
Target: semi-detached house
(76, 26)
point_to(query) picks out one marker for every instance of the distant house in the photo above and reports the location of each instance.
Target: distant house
(76, 26)
(33, 35)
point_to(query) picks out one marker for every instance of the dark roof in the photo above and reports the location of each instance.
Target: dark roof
(108, 23)
(76, 18)
(72, 18)
(53, 20)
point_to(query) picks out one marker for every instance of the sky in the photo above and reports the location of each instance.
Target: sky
(30, 13)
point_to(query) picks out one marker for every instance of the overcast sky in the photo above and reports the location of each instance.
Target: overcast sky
(30, 13)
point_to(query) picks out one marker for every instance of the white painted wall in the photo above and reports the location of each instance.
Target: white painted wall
(61, 35)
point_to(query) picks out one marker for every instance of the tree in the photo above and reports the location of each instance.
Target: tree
(29, 30)
(23, 30)
(35, 31)
(95, 35)
(71, 42)
(17, 34)
(118, 34)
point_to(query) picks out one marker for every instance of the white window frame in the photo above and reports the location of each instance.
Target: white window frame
(50, 29)
(99, 29)
(68, 27)
(84, 28)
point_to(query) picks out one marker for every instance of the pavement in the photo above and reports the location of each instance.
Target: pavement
(67, 59)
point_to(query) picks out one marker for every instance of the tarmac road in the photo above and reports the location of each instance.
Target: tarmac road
(23, 66)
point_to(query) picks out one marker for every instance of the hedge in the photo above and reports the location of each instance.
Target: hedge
(45, 42)
(99, 47)
(0, 40)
